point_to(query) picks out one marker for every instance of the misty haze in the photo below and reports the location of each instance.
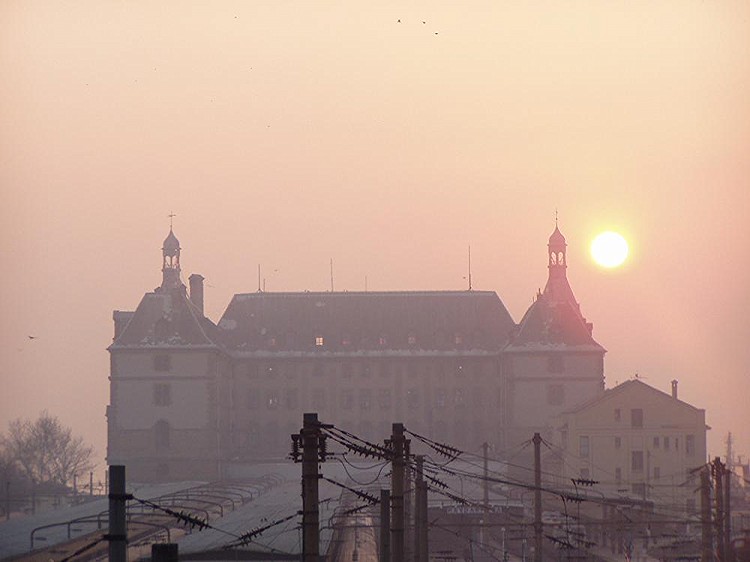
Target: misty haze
(475, 276)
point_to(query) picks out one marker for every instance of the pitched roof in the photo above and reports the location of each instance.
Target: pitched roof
(166, 317)
(633, 385)
(361, 321)
(553, 323)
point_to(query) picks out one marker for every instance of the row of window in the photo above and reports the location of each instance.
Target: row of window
(366, 399)
(636, 416)
(584, 446)
(348, 369)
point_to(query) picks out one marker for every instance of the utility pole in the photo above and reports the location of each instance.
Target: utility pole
(707, 551)
(91, 482)
(537, 440)
(421, 548)
(118, 531)
(485, 450)
(727, 510)
(719, 495)
(408, 511)
(397, 492)
(385, 526)
(310, 517)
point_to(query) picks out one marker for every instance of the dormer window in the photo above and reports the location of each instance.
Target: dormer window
(319, 341)
(412, 339)
(382, 341)
(458, 339)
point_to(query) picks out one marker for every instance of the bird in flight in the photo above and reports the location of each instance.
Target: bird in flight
(32, 337)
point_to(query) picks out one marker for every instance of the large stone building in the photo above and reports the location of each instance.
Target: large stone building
(192, 399)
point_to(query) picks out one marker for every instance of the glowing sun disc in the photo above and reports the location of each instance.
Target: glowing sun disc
(609, 249)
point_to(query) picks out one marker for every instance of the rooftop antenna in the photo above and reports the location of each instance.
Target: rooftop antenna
(331, 274)
(259, 288)
(470, 267)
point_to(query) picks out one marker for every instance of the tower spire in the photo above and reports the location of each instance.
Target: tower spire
(170, 259)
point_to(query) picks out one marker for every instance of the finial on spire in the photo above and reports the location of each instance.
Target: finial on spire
(171, 215)
(555, 217)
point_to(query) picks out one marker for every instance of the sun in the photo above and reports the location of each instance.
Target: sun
(609, 249)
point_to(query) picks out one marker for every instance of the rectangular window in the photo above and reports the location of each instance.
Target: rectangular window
(584, 473)
(618, 442)
(319, 399)
(272, 400)
(657, 473)
(676, 443)
(657, 441)
(636, 417)
(690, 445)
(440, 398)
(666, 443)
(384, 399)
(618, 475)
(162, 362)
(555, 364)
(636, 461)
(617, 414)
(162, 394)
(347, 400)
(583, 446)
(319, 341)
(639, 489)
(555, 395)
(365, 400)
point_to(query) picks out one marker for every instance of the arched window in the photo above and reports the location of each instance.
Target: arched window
(161, 434)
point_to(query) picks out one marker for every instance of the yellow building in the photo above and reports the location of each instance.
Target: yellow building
(636, 441)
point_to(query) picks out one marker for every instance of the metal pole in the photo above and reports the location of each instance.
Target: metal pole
(397, 493)
(385, 526)
(422, 552)
(310, 517)
(727, 510)
(485, 449)
(118, 532)
(719, 496)
(408, 512)
(537, 498)
(91, 483)
(707, 553)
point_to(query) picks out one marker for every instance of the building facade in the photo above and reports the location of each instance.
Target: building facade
(636, 441)
(191, 398)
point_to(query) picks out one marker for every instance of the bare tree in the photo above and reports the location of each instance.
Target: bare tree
(46, 451)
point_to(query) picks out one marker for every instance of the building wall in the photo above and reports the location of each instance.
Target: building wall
(163, 412)
(457, 399)
(649, 455)
(544, 384)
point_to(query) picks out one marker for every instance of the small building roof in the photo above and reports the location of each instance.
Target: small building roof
(166, 317)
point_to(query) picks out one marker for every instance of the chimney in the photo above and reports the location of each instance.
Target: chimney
(196, 290)
(674, 389)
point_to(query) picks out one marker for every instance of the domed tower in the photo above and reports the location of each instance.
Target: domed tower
(557, 288)
(170, 262)
(552, 362)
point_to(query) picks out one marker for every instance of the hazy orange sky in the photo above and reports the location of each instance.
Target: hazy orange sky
(287, 134)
